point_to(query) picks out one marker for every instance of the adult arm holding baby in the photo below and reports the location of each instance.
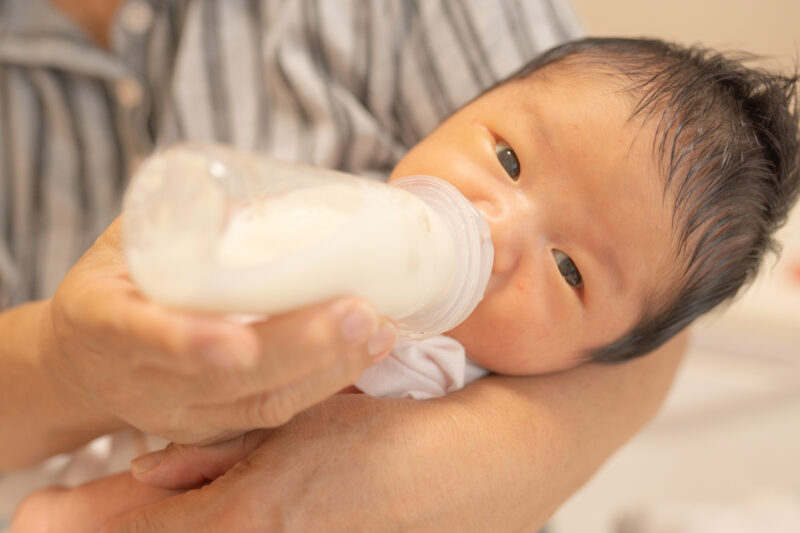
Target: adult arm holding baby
(501, 455)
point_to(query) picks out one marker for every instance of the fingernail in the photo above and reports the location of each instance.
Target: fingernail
(383, 340)
(145, 463)
(358, 323)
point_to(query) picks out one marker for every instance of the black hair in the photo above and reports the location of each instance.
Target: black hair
(727, 138)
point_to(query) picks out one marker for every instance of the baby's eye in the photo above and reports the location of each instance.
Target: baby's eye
(568, 269)
(508, 159)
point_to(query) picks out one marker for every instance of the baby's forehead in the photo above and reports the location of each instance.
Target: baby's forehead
(603, 87)
(604, 73)
(608, 87)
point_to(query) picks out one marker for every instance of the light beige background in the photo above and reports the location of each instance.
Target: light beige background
(724, 454)
(764, 27)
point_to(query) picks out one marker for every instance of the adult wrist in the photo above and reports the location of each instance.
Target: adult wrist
(80, 412)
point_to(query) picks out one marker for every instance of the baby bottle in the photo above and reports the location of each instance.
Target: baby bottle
(211, 228)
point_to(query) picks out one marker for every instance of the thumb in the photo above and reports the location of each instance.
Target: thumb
(181, 466)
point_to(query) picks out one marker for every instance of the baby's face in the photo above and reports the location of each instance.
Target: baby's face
(570, 188)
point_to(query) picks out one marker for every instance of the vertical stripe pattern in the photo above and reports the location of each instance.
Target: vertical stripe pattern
(351, 84)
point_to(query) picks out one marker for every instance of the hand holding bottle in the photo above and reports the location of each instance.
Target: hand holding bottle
(190, 377)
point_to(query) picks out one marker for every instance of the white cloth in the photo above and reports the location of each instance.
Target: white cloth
(421, 369)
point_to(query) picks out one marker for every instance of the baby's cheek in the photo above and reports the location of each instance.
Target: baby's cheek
(796, 272)
(524, 288)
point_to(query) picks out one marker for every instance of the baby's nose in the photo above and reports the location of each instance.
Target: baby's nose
(514, 233)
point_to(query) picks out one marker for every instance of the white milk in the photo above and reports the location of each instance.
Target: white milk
(212, 229)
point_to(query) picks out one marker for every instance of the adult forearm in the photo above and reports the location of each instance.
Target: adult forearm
(39, 415)
(504, 453)
(542, 438)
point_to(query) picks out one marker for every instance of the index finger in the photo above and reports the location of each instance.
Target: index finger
(307, 341)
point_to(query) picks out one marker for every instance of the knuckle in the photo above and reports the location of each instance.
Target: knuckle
(320, 343)
(184, 424)
(170, 341)
(173, 344)
(145, 521)
(126, 523)
(273, 408)
(248, 515)
(175, 418)
(320, 332)
(220, 383)
(110, 326)
(179, 451)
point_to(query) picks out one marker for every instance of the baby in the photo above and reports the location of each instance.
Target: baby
(630, 187)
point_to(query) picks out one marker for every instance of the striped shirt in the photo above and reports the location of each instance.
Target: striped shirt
(348, 84)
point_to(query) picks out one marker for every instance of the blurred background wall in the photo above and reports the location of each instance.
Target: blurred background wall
(724, 454)
(764, 27)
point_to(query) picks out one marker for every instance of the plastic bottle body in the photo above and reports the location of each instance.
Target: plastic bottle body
(213, 229)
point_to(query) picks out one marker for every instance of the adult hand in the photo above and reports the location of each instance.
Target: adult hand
(314, 474)
(198, 378)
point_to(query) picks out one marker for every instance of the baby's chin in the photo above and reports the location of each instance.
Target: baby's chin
(518, 365)
(510, 357)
